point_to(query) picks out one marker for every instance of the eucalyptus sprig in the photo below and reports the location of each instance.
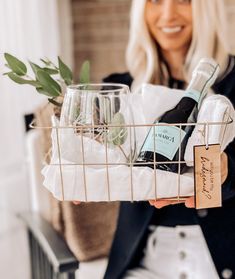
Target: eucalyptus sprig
(48, 78)
(118, 132)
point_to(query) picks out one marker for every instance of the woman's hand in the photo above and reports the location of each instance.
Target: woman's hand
(189, 202)
(224, 167)
(76, 202)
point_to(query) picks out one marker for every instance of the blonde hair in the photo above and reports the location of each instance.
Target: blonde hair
(209, 39)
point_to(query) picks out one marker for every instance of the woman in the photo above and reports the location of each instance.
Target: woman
(167, 39)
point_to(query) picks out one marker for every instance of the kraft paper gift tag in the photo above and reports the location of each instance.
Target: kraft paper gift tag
(207, 175)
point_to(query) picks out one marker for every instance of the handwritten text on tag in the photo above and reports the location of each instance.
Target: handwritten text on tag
(207, 175)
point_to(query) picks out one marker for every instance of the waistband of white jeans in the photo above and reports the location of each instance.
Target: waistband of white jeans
(188, 230)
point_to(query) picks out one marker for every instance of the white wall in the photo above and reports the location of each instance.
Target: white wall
(29, 29)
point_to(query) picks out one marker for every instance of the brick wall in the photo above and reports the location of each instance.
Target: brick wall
(100, 35)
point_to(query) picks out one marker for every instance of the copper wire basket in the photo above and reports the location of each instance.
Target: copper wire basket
(106, 165)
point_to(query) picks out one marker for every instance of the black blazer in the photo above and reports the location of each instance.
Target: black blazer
(217, 224)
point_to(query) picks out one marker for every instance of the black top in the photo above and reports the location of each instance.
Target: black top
(217, 224)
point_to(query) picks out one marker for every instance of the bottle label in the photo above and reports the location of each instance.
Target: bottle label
(193, 94)
(167, 140)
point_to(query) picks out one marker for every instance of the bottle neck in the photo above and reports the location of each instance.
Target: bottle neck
(193, 94)
(187, 103)
(197, 87)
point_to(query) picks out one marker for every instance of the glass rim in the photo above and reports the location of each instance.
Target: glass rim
(80, 87)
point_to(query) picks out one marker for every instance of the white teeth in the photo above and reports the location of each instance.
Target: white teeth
(172, 29)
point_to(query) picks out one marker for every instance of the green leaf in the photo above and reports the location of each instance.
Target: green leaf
(42, 91)
(46, 61)
(20, 80)
(15, 64)
(54, 102)
(50, 71)
(84, 76)
(117, 135)
(48, 84)
(65, 72)
(35, 67)
(6, 74)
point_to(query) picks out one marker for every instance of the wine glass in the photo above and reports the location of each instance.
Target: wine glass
(96, 125)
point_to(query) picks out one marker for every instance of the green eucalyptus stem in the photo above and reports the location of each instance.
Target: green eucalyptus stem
(44, 81)
(53, 65)
(29, 77)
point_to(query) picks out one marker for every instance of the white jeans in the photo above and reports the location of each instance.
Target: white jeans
(172, 253)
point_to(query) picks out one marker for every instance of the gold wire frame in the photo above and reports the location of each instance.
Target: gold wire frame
(130, 164)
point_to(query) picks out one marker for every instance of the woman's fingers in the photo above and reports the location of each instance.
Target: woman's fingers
(76, 202)
(190, 202)
(224, 167)
(161, 203)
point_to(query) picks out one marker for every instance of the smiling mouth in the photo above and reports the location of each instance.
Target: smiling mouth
(171, 30)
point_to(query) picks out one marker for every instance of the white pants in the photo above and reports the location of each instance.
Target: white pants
(175, 253)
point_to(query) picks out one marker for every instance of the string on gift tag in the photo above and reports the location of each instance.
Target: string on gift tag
(206, 135)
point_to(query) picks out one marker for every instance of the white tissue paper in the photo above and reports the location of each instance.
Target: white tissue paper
(215, 108)
(120, 182)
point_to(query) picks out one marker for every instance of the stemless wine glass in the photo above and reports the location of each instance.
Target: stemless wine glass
(96, 125)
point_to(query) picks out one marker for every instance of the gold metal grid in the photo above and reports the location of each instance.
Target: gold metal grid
(107, 164)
